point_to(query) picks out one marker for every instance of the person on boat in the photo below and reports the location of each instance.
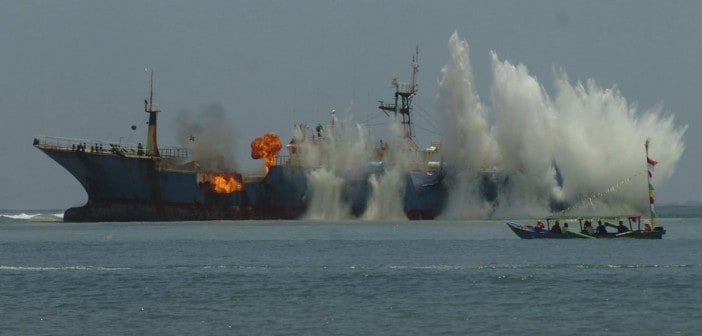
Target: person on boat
(601, 229)
(539, 227)
(647, 227)
(556, 228)
(621, 228)
(589, 229)
(565, 228)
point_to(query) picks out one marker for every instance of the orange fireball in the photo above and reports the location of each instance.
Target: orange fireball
(266, 147)
(226, 184)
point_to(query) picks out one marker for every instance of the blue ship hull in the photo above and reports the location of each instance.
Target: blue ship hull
(144, 188)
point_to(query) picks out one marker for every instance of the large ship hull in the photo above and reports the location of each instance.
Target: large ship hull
(122, 186)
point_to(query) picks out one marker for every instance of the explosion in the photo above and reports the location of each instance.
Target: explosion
(225, 183)
(266, 147)
(220, 182)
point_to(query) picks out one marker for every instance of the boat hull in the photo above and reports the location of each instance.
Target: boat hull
(528, 232)
(128, 211)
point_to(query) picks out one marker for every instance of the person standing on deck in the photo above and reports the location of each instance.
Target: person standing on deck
(539, 227)
(556, 228)
(601, 229)
(589, 229)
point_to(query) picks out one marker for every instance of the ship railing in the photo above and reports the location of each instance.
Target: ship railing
(62, 143)
(86, 145)
(387, 106)
(282, 160)
(174, 152)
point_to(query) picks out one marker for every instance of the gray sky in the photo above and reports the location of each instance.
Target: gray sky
(76, 68)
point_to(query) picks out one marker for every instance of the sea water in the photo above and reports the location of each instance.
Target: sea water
(341, 278)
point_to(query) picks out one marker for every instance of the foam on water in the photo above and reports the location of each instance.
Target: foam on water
(20, 216)
(32, 217)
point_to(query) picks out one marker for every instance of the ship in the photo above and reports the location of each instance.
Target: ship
(151, 183)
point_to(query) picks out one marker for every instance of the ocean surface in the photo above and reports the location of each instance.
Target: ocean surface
(341, 278)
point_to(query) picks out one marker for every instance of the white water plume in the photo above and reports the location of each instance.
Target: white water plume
(386, 201)
(525, 122)
(341, 146)
(342, 153)
(468, 146)
(326, 202)
(592, 135)
(387, 196)
(331, 151)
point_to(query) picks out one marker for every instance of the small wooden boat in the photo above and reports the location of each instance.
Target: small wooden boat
(530, 232)
(627, 227)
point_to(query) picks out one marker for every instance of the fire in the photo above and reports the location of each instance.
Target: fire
(226, 184)
(267, 148)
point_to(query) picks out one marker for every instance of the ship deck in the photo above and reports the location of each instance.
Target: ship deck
(103, 147)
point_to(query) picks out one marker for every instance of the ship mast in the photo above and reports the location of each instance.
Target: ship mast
(404, 92)
(152, 110)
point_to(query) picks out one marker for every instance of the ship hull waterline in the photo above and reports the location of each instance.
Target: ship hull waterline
(125, 189)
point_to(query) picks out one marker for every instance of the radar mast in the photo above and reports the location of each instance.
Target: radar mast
(404, 92)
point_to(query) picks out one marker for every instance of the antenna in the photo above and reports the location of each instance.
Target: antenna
(151, 88)
(152, 110)
(415, 69)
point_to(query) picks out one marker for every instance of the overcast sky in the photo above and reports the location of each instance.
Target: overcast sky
(76, 68)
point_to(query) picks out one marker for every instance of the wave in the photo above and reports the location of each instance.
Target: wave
(60, 268)
(32, 216)
(540, 266)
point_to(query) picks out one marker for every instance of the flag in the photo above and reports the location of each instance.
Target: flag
(651, 166)
(651, 163)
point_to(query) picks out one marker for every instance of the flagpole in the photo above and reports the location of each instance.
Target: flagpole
(650, 164)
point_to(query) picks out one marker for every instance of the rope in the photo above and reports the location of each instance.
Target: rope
(590, 199)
